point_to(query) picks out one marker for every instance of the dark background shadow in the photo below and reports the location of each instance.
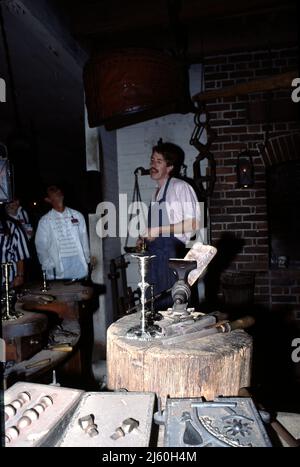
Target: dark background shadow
(228, 247)
(275, 378)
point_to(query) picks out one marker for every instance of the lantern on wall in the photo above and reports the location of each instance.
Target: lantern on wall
(245, 170)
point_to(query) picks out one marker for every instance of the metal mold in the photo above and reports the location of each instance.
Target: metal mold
(43, 417)
(123, 419)
(224, 422)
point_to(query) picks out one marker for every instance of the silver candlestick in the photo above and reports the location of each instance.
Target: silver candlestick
(143, 262)
(144, 331)
(45, 287)
(7, 311)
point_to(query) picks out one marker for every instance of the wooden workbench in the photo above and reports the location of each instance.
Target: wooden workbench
(71, 311)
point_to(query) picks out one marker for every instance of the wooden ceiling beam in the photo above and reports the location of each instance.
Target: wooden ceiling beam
(207, 40)
(215, 9)
(114, 17)
(280, 81)
(265, 33)
(119, 16)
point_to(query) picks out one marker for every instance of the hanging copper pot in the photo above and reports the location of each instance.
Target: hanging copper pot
(127, 86)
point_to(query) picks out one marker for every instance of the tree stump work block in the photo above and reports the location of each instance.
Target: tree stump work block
(208, 367)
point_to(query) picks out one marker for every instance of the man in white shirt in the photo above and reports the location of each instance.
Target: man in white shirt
(173, 217)
(61, 240)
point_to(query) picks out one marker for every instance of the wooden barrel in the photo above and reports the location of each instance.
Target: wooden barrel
(215, 365)
(126, 86)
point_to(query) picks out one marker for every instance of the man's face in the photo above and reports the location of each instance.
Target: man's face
(158, 167)
(56, 199)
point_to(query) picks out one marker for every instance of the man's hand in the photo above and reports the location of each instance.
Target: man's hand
(151, 234)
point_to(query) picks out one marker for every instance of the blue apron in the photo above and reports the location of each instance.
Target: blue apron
(159, 274)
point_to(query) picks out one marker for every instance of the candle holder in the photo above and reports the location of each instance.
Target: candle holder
(144, 331)
(45, 287)
(8, 312)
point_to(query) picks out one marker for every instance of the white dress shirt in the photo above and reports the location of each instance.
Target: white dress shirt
(181, 204)
(60, 236)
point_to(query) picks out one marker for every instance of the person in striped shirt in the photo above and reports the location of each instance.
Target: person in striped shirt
(15, 210)
(61, 240)
(13, 248)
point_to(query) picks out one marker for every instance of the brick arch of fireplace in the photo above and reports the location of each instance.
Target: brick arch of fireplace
(281, 156)
(282, 148)
(243, 214)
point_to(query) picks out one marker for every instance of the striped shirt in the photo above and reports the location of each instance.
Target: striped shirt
(13, 248)
(22, 217)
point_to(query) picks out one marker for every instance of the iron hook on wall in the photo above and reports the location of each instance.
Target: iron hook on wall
(205, 183)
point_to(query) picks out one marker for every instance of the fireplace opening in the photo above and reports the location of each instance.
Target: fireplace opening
(283, 203)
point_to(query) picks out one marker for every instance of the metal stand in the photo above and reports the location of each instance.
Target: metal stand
(45, 287)
(181, 291)
(7, 311)
(136, 200)
(145, 331)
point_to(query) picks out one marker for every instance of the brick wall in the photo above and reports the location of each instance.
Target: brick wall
(242, 213)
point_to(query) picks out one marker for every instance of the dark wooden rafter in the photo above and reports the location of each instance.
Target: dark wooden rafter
(107, 16)
(280, 81)
(105, 24)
